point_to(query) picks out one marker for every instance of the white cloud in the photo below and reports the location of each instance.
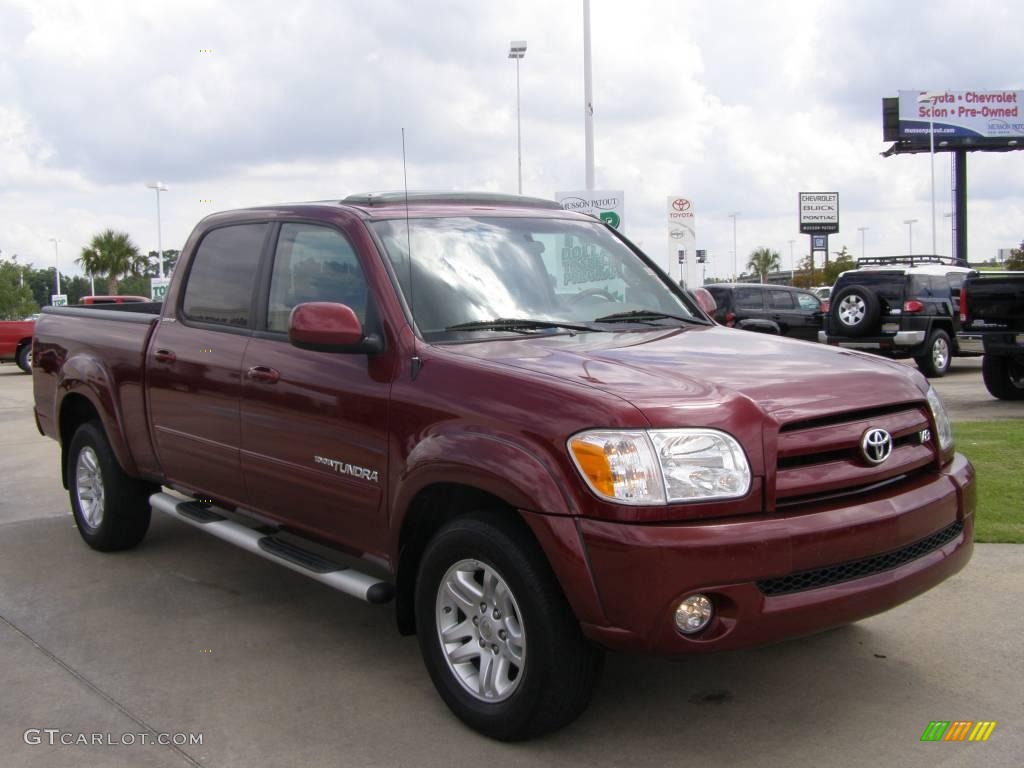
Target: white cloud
(739, 106)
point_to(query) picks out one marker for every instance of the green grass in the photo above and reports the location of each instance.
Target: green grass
(996, 449)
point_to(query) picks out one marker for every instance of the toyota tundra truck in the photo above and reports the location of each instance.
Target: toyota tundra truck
(505, 420)
(992, 312)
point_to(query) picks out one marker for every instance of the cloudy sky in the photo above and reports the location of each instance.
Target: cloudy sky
(737, 105)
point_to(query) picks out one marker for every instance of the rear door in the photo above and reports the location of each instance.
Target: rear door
(314, 424)
(748, 302)
(195, 361)
(783, 309)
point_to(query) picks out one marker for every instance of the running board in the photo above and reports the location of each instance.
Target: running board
(275, 549)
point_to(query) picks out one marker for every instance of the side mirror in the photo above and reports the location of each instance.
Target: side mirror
(706, 300)
(324, 326)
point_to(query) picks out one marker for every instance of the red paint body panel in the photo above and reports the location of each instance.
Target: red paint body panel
(14, 333)
(338, 446)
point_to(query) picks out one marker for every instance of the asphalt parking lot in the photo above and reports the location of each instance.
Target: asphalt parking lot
(188, 635)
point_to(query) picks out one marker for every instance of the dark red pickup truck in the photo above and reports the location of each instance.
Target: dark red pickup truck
(506, 419)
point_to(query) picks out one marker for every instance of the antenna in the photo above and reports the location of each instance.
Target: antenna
(408, 236)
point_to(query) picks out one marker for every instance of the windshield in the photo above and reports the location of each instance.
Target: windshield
(479, 269)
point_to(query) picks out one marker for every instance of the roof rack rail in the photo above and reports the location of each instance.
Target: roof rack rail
(909, 260)
(447, 198)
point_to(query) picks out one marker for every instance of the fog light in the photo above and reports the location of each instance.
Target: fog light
(693, 614)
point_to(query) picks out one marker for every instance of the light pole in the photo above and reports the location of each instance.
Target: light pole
(862, 230)
(923, 98)
(792, 263)
(517, 51)
(159, 186)
(588, 98)
(950, 217)
(910, 235)
(56, 261)
(735, 253)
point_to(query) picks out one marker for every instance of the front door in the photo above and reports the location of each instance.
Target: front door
(314, 424)
(194, 368)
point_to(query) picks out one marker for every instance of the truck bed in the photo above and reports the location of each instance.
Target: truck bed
(98, 353)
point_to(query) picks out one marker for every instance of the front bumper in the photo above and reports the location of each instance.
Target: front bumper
(641, 572)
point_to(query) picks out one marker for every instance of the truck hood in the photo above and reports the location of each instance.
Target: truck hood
(685, 375)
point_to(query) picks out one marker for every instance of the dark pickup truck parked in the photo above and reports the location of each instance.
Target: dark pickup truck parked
(504, 418)
(992, 308)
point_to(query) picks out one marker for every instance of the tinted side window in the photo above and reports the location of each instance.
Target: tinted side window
(749, 298)
(781, 300)
(223, 274)
(313, 263)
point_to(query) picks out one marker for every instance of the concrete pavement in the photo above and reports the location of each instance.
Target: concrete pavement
(188, 635)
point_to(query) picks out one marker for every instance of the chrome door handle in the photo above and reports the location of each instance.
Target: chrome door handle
(164, 356)
(263, 373)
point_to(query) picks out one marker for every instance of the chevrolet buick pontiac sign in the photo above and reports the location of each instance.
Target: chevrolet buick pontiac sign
(819, 213)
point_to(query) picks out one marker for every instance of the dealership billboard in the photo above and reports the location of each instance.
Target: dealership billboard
(819, 213)
(961, 114)
(682, 240)
(606, 205)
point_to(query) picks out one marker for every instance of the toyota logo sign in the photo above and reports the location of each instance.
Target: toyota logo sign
(681, 204)
(876, 445)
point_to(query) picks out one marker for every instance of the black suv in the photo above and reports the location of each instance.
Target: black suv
(901, 306)
(776, 309)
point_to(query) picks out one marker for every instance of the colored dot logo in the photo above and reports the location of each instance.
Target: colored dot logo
(205, 200)
(206, 50)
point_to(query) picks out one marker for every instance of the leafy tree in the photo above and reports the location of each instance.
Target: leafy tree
(16, 300)
(170, 261)
(113, 254)
(762, 261)
(804, 276)
(1016, 260)
(843, 261)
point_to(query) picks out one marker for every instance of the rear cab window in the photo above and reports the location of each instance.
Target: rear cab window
(222, 276)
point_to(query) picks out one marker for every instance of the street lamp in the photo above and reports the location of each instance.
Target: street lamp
(588, 99)
(792, 263)
(923, 98)
(910, 235)
(862, 230)
(56, 261)
(735, 253)
(951, 227)
(517, 51)
(159, 186)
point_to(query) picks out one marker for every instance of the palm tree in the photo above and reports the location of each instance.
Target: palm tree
(114, 254)
(762, 261)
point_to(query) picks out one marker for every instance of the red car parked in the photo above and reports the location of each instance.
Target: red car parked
(507, 419)
(16, 342)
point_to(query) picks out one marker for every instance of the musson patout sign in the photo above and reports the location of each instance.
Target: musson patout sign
(819, 213)
(603, 204)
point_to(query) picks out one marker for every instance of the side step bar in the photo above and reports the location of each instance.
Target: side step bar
(277, 550)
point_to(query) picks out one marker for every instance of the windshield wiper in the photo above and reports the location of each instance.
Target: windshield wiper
(514, 324)
(642, 316)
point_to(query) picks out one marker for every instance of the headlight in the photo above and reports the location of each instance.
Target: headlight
(662, 465)
(942, 424)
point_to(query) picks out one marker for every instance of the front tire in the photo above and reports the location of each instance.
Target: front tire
(110, 508)
(498, 638)
(938, 356)
(1004, 377)
(24, 358)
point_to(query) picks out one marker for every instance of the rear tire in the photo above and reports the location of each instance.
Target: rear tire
(110, 508)
(854, 311)
(24, 358)
(1004, 377)
(938, 356)
(513, 663)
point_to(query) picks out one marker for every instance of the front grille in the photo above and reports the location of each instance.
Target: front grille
(822, 458)
(858, 569)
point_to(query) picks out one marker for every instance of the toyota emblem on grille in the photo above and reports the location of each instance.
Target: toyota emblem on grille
(876, 445)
